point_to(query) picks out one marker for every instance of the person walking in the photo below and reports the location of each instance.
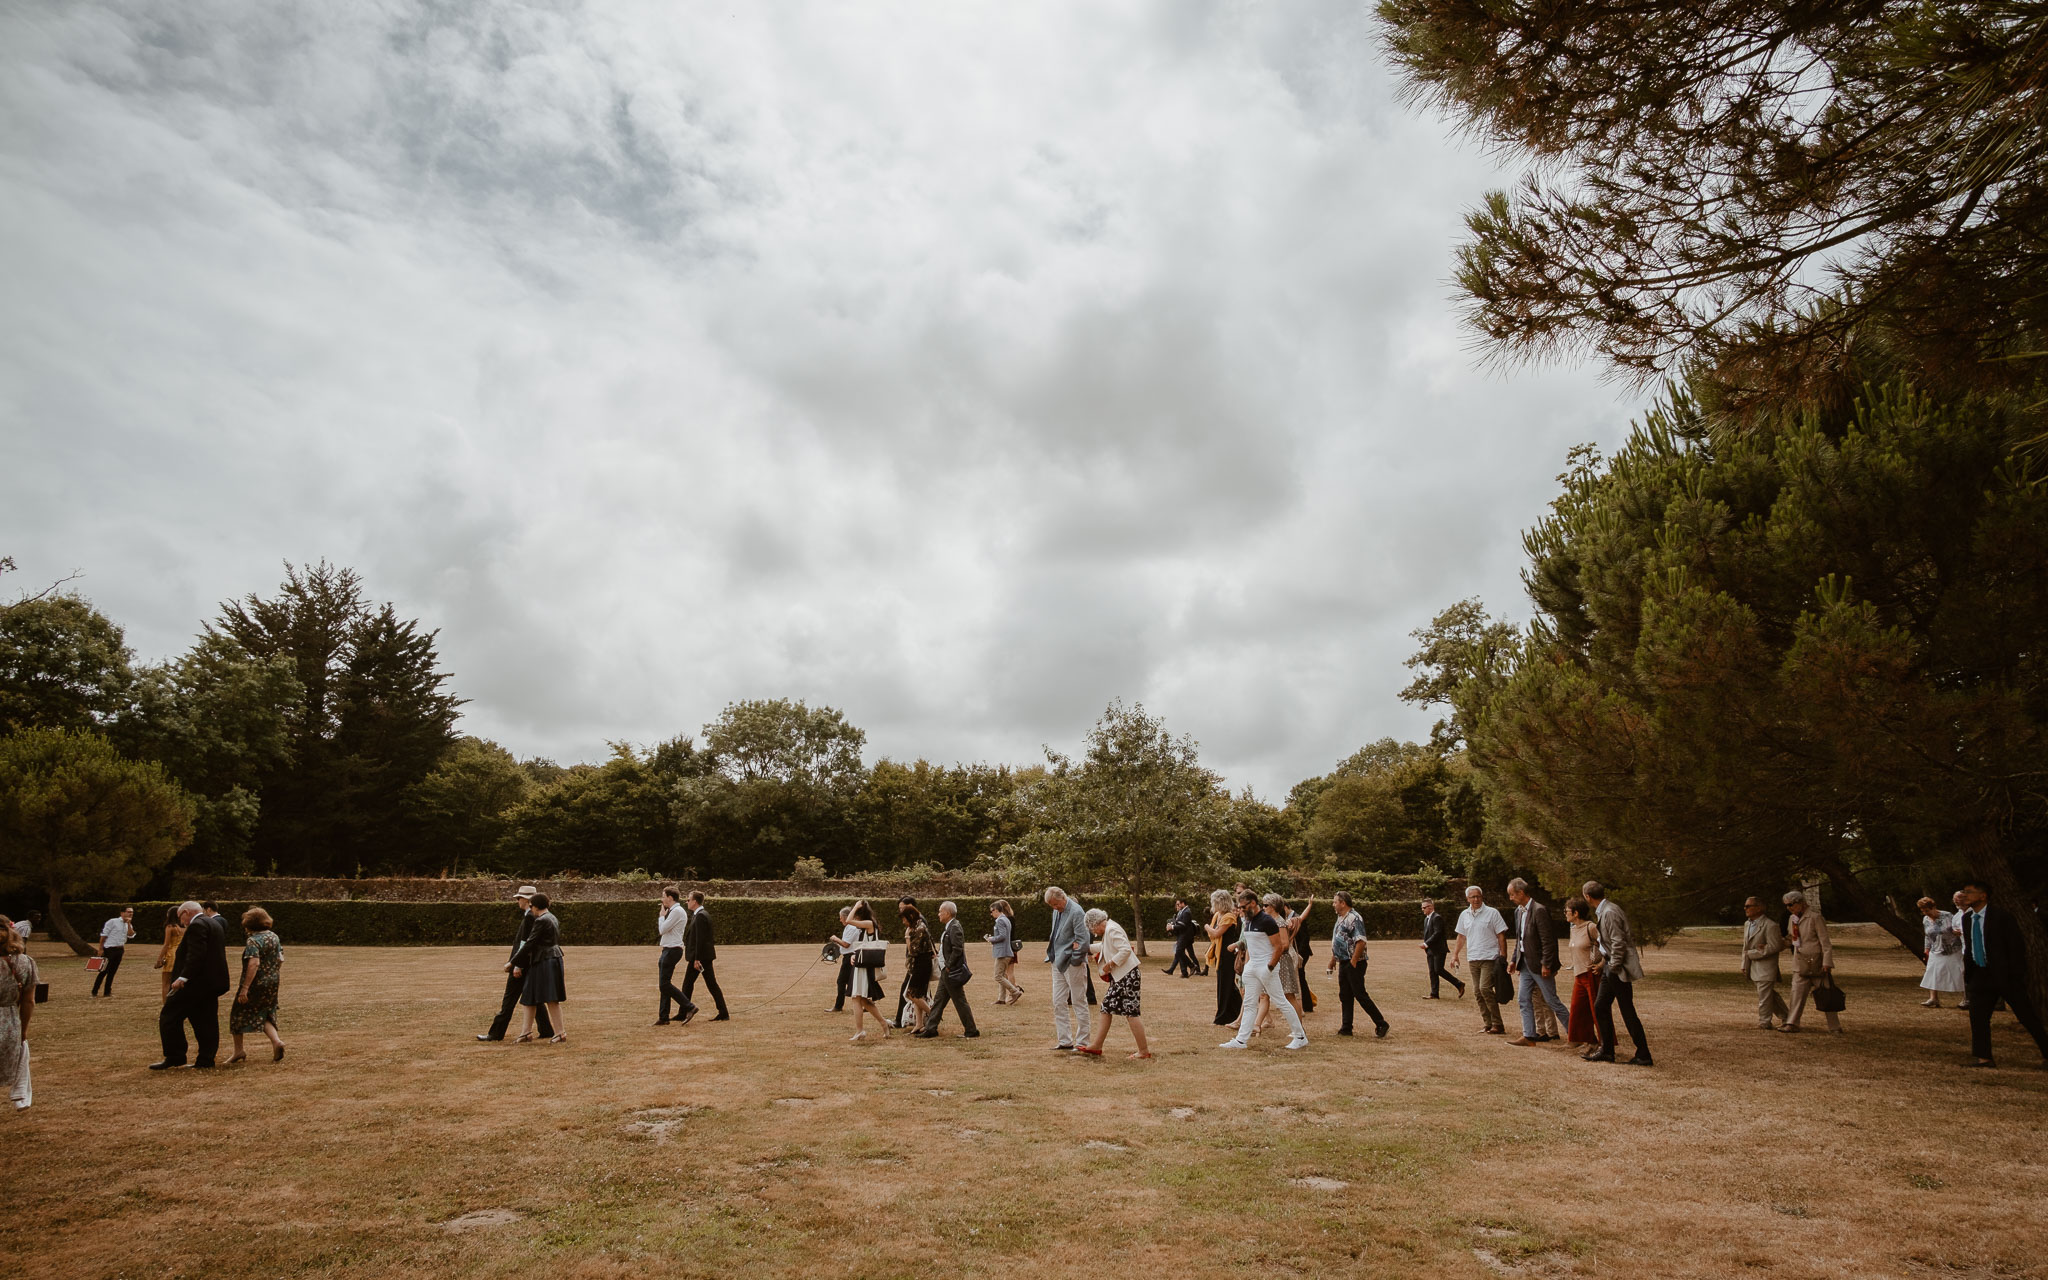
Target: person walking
(255, 1006)
(1223, 935)
(199, 978)
(1762, 941)
(1580, 1029)
(953, 977)
(918, 957)
(700, 953)
(1944, 946)
(1813, 959)
(1298, 943)
(844, 987)
(1620, 972)
(1482, 940)
(17, 1008)
(1183, 927)
(671, 923)
(1962, 919)
(1122, 976)
(115, 935)
(174, 932)
(1259, 928)
(1436, 946)
(1347, 960)
(1535, 965)
(1069, 948)
(861, 941)
(1995, 968)
(538, 962)
(515, 984)
(1002, 945)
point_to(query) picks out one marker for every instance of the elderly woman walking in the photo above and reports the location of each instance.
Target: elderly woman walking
(17, 1006)
(1112, 955)
(1944, 953)
(255, 1007)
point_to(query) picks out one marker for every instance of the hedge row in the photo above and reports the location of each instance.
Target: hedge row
(740, 920)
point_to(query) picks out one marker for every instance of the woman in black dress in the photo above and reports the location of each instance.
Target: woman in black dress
(1223, 930)
(917, 954)
(539, 959)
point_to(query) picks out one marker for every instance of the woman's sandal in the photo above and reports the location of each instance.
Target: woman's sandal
(240, 1057)
(1139, 1057)
(1082, 1048)
(277, 1053)
(524, 1037)
(857, 1037)
(558, 1039)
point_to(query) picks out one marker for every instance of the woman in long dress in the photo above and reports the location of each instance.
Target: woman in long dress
(539, 958)
(1222, 930)
(17, 1006)
(255, 1007)
(1944, 953)
(859, 933)
(917, 955)
(1585, 953)
(167, 955)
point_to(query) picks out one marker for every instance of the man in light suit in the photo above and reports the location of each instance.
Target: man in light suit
(953, 975)
(1813, 958)
(699, 952)
(1762, 940)
(1069, 948)
(1624, 968)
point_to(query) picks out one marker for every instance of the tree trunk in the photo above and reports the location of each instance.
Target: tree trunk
(60, 924)
(1994, 862)
(1858, 896)
(1137, 924)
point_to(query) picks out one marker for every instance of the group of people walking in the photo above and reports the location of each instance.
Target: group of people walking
(199, 976)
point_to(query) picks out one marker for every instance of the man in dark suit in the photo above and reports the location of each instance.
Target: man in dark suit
(699, 951)
(199, 978)
(1436, 944)
(953, 976)
(514, 985)
(1183, 929)
(1995, 967)
(1535, 961)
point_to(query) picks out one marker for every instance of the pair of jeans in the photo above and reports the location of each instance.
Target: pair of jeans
(106, 974)
(1527, 987)
(670, 958)
(1262, 977)
(1614, 989)
(1351, 990)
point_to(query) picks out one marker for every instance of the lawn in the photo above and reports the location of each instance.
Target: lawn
(389, 1142)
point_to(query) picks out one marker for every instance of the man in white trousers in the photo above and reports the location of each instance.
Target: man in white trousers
(1259, 928)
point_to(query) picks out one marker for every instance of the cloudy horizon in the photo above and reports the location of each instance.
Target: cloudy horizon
(961, 367)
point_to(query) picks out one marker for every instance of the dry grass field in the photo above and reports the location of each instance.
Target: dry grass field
(389, 1142)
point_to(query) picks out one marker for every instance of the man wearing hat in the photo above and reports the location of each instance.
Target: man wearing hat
(513, 982)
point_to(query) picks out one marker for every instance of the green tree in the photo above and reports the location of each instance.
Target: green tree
(937, 816)
(1702, 172)
(76, 817)
(1138, 810)
(597, 820)
(63, 665)
(460, 808)
(1381, 809)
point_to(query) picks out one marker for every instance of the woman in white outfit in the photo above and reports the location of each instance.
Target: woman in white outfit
(17, 1006)
(1118, 964)
(860, 934)
(1944, 953)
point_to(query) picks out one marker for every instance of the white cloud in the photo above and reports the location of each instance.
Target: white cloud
(962, 366)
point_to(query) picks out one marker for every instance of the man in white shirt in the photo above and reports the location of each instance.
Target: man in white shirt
(115, 935)
(1259, 977)
(670, 924)
(1482, 939)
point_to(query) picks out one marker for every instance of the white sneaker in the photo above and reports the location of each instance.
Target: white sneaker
(1299, 1042)
(1231, 1044)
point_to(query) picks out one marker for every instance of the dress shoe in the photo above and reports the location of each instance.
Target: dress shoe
(723, 1017)
(1343, 1031)
(924, 1035)
(1598, 1057)
(487, 1039)
(1521, 1040)
(1640, 1060)
(1974, 1062)
(970, 1035)
(1063, 1048)
(164, 1066)
(1541, 1039)
(688, 1014)
(659, 1022)
(202, 1066)
(1380, 1032)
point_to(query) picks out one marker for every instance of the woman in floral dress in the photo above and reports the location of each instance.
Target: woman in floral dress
(255, 1007)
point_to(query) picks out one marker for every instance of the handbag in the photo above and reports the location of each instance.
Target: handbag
(1829, 998)
(870, 955)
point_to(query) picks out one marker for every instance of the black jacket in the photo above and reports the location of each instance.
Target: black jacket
(2004, 948)
(1183, 925)
(1433, 935)
(543, 935)
(953, 950)
(697, 939)
(525, 927)
(202, 959)
(1536, 949)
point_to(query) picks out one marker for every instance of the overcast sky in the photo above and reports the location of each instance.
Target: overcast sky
(961, 365)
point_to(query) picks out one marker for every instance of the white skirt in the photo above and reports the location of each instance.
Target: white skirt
(867, 983)
(1944, 972)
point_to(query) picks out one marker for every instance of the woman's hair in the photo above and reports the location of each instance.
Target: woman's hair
(1094, 916)
(1578, 907)
(909, 913)
(540, 900)
(1219, 900)
(862, 911)
(171, 917)
(255, 918)
(1925, 903)
(1000, 906)
(1272, 900)
(10, 944)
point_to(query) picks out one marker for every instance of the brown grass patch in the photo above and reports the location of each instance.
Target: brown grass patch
(391, 1143)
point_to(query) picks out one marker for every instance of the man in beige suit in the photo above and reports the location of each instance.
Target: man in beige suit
(1813, 958)
(1761, 942)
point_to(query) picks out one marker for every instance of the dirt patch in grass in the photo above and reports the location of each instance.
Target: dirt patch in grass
(391, 1143)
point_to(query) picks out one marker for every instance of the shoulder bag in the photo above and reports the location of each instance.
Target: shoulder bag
(1829, 998)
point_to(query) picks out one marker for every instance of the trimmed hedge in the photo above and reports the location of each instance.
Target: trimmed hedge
(620, 924)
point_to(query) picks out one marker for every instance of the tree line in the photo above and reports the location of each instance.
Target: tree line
(313, 732)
